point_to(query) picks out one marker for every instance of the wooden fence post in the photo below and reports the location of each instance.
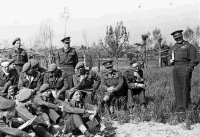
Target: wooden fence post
(159, 52)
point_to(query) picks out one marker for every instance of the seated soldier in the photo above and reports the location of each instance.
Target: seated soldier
(7, 110)
(111, 84)
(57, 80)
(42, 105)
(87, 81)
(8, 78)
(80, 117)
(135, 85)
(30, 77)
(23, 108)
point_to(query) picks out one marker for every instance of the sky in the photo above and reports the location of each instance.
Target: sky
(22, 18)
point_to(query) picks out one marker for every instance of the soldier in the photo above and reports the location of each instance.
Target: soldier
(87, 81)
(111, 84)
(7, 110)
(8, 77)
(184, 58)
(24, 102)
(43, 105)
(57, 80)
(135, 85)
(67, 59)
(81, 117)
(19, 55)
(30, 77)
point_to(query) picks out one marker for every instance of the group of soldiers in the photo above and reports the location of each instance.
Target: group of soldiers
(61, 98)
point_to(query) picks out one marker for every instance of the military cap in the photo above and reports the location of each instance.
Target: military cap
(108, 63)
(177, 34)
(11, 61)
(24, 94)
(52, 67)
(34, 62)
(66, 39)
(5, 63)
(7, 104)
(15, 40)
(43, 88)
(26, 66)
(80, 65)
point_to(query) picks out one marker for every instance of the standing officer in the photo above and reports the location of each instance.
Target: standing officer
(19, 55)
(112, 84)
(184, 57)
(67, 59)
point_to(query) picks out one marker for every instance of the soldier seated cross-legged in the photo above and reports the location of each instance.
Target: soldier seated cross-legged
(112, 85)
(135, 85)
(81, 116)
(30, 77)
(57, 80)
(87, 81)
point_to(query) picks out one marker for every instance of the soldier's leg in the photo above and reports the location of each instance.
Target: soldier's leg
(142, 98)
(40, 131)
(54, 116)
(178, 88)
(186, 88)
(19, 69)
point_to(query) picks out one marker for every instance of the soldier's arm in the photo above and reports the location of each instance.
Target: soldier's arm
(194, 61)
(57, 58)
(38, 100)
(77, 83)
(97, 80)
(39, 83)
(120, 81)
(67, 108)
(46, 78)
(103, 83)
(25, 57)
(13, 131)
(75, 58)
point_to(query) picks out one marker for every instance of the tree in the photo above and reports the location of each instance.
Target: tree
(115, 40)
(188, 34)
(65, 16)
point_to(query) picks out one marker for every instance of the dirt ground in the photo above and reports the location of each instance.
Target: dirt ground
(151, 129)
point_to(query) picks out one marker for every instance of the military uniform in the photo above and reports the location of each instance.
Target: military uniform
(33, 81)
(115, 80)
(132, 78)
(89, 85)
(5, 129)
(67, 60)
(185, 59)
(76, 113)
(58, 82)
(20, 57)
(23, 111)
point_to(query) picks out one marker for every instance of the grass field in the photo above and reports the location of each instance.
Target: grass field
(161, 100)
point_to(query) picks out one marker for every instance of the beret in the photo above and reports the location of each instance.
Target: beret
(177, 34)
(52, 67)
(24, 94)
(26, 66)
(43, 88)
(15, 40)
(108, 63)
(7, 104)
(66, 39)
(34, 62)
(5, 63)
(80, 65)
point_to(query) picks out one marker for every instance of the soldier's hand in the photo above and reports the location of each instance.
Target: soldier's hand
(171, 61)
(61, 108)
(32, 134)
(91, 117)
(141, 85)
